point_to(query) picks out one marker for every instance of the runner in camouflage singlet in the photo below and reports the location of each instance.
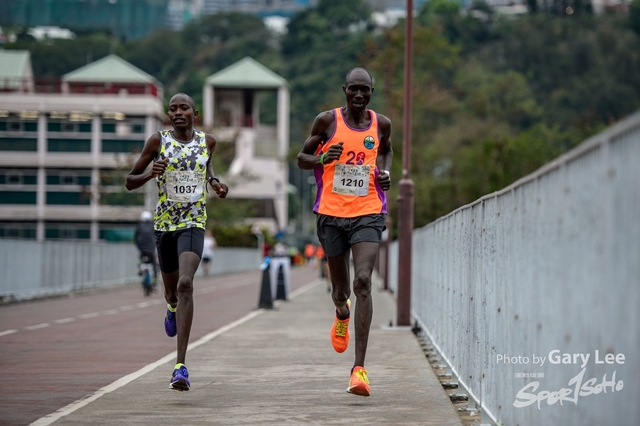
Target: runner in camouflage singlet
(181, 189)
(182, 168)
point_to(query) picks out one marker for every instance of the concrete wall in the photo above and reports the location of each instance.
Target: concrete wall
(30, 269)
(551, 263)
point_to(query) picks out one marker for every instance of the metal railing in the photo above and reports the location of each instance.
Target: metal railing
(548, 266)
(56, 85)
(31, 269)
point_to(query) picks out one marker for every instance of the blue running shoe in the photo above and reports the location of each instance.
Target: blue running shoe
(170, 326)
(180, 379)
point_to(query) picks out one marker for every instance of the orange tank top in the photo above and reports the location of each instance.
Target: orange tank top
(349, 187)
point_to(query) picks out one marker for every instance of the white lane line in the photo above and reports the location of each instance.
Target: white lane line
(37, 326)
(305, 288)
(64, 411)
(85, 316)
(76, 405)
(121, 309)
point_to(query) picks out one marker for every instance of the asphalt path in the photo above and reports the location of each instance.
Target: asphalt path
(56, 351)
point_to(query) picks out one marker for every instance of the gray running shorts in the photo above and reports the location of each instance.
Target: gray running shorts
(337, 234)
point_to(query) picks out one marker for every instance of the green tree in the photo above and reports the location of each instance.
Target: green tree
(150, 54)
(321, 45)
(578, 69)
(222, 39)
(493, 98)
(489, 94)
(634, 15)
(57, 57)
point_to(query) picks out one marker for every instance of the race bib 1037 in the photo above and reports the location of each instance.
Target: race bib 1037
(184, 187)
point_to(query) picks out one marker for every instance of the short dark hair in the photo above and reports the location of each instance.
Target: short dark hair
(189, 100)
(346, 78)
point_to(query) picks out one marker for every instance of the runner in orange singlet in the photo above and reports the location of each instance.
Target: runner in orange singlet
(349, 150)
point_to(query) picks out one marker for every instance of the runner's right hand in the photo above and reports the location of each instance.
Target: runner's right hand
(333, 153)
(159, 167)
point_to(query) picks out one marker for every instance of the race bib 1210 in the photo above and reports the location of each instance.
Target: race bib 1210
(351, 179)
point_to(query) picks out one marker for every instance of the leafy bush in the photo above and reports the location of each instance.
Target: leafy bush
(234, 236)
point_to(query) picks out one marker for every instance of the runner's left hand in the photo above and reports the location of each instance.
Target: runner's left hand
(384, 180)
(221, 189)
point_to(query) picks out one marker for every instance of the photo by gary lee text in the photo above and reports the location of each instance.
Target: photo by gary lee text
(557, 357)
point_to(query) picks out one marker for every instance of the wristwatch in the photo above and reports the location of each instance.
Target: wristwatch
(386, 171)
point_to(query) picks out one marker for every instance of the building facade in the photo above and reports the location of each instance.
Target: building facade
(232, 110)
(261, 7)
(124, 18)
(67, 146)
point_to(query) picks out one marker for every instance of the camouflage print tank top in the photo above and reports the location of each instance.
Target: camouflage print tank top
(181, 189)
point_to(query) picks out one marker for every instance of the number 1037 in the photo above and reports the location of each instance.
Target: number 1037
(180, 189)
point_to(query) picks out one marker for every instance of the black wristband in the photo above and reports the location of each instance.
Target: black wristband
(213, 178)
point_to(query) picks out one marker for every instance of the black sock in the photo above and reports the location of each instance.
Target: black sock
(342, 319)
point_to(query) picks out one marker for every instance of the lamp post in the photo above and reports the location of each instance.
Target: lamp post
(406, 187)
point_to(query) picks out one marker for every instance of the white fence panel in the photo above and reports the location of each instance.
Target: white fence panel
(548, 266)
(30, 269)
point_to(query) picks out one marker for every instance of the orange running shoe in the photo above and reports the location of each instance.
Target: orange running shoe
(340, 332)
(359, 382)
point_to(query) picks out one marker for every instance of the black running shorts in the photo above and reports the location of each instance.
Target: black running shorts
(172, 244)
(337, 234)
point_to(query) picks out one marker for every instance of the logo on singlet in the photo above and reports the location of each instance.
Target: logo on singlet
(369, 142)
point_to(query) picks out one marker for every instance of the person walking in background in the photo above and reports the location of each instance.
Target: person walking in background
(309, 255)
(280, 250)
(321, 259)
(145, 241)
(182, 169)
(266, 249)
(349, 150)
(207, 252)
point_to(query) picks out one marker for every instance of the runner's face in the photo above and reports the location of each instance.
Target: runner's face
(181, 113)
(358, 90)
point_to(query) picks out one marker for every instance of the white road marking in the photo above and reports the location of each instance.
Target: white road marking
(37, 326)
(64, 411)
(145, 304)
(76, 405)
(304, 288)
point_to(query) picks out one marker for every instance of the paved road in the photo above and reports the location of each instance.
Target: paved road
(57, 351)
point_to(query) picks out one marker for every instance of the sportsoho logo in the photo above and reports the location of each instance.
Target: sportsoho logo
(577, 386)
